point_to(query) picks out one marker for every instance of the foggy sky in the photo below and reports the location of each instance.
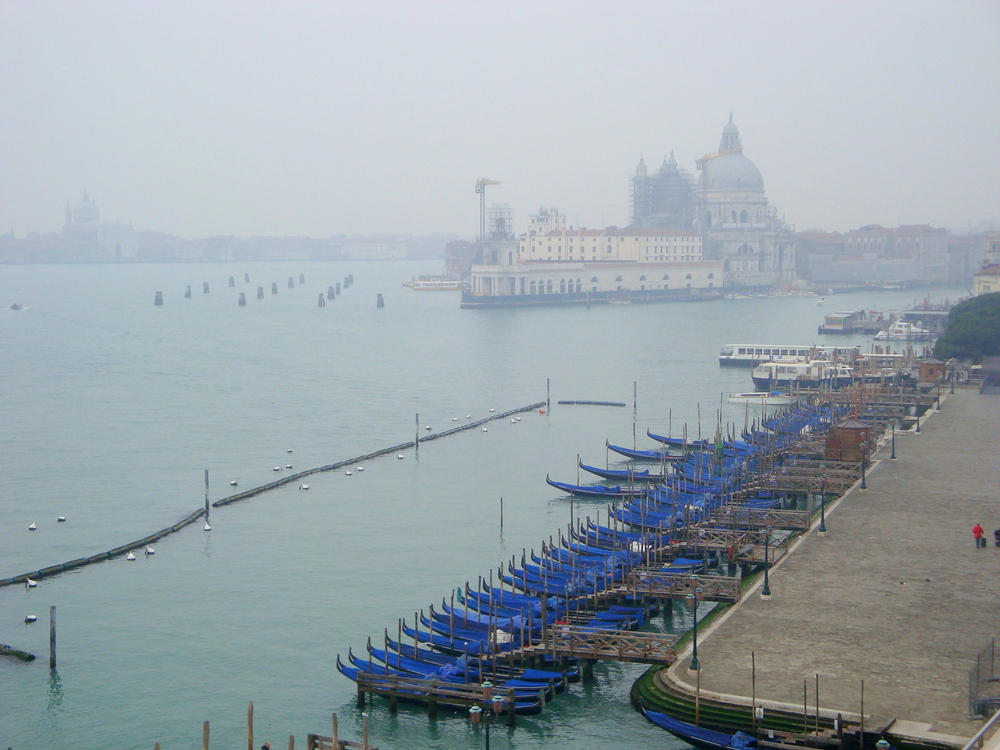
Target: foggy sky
(275, 118)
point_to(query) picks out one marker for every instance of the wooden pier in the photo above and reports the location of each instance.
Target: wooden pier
(582, 642)
(437, 694)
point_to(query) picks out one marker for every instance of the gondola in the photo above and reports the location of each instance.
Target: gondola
(644, 455)
(703, 739)
(595, 490)
(623, 475)
(678, 442)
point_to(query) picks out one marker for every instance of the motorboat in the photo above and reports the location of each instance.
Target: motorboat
(901, 330)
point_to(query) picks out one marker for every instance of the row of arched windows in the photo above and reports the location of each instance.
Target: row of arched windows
(571, 285)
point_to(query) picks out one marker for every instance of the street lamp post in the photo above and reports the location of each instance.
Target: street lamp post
(864, 456)
(822, 507)
(493, 704)
(765, 593)
(692, 600)
(893, 455)
(937, 401)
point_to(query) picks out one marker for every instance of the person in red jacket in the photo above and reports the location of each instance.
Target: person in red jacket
(977, 535)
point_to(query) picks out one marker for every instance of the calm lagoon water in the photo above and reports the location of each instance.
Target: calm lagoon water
(113, 408)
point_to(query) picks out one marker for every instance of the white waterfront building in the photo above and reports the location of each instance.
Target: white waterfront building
(553, 263)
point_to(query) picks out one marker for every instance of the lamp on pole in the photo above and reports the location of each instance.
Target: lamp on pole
(822, 507)
(765, 593)
(893, 454)
(864, 456)
(692, 600)
(493, 705)
(951, 380)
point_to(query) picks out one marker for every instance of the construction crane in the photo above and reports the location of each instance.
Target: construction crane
(481, 184)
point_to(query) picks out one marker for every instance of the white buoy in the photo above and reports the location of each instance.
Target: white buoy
(208, 526)
(468, 416)
(149, 551)
(130, 557)
(347, 472)
(427, 427)
(30, 618)
(30, 583)
(303, 486)
(61, 519)
(277, 468)
(233, 484)
(288, 466)
(31, 527)
(400, 456)
(485, 430)
(492, 410)
(361, 468)
(454, 419)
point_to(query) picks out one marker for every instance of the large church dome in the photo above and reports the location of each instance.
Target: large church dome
(730, 172)
(730, 169)
(86, 210)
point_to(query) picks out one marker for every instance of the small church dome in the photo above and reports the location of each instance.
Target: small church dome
(86, 210)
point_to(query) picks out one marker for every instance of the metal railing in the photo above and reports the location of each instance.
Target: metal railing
(984, 684)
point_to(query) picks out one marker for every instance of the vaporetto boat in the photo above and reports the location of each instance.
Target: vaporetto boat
(751, 355)
(812, 374)
(761, 398)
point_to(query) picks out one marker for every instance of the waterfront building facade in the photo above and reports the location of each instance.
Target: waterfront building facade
(987, 280)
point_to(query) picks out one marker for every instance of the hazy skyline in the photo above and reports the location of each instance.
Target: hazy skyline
(327, 118)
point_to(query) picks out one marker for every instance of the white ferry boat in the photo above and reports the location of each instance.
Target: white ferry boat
(437, 285)
(903, 331)
(811, 374)
(751, 355)
(761, 398)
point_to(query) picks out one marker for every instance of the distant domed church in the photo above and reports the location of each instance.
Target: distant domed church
(727, 206)
(91, 238)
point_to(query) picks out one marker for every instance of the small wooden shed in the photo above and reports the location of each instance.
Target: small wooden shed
(848, 440)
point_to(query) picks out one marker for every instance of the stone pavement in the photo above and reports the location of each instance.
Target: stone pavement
(895, 594)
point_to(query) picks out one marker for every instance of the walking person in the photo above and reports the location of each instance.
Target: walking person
(977, 535)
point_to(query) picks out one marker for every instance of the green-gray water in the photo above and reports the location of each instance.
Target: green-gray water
(113, 408)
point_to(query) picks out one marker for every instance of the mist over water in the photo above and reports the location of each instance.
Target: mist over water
(113, 409)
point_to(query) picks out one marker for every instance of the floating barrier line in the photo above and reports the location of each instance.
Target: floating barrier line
(247, 494)
(592, 403)
(102, 556)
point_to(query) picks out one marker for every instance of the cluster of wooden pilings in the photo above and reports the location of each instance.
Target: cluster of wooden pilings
(313, 741)
(332, 292)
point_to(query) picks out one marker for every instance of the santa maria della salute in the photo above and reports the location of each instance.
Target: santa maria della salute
(689, 238)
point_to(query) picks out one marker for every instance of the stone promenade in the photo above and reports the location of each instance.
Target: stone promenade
(895, 594)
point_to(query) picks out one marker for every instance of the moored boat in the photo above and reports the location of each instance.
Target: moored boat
(704, 739)
(901, 330)
(761, 398)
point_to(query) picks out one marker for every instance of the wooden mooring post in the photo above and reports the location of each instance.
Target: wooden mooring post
(52, 637)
